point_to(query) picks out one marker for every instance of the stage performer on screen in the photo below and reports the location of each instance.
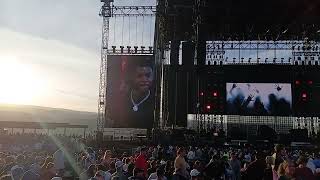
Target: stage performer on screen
(138, 102)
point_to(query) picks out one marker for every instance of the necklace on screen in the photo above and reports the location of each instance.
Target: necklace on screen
(135, 106)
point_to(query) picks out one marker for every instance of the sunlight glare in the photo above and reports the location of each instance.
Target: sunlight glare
(18, 83)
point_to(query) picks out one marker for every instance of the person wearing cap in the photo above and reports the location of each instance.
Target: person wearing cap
(119, 175)
(141, 161)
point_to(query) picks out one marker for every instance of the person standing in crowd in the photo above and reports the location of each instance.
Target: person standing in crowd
(153, 167)
(180, 165)
(302, 172)
(191, 156)
(16, 173)
(255, 169)
(126, 162)
(215, 168)
(195, 174)
(49, 172)
(235, 165)
(158, 175)
(107, 174)
(100, 175)
(286, 170)
(279, 156)
(89, 173)
(58, 160)
(106, 160)
(141, 161)
(155, 153)
(119, 175)
(138, 174)
(268, 172)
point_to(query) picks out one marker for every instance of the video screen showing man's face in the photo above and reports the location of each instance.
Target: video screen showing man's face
(143, 78)
(130, 91)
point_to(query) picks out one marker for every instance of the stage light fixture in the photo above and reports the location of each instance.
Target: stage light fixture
(121, 49)
(142, 49)
(129, 48)
(135, 49)
(310, 82)
(208, 107)
(201, 94)
(297, 82)
(304, 96)
(215, 93)
(113, 49)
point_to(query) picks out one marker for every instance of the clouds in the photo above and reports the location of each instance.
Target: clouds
(60, 42)
(71, 21)
(62, 66)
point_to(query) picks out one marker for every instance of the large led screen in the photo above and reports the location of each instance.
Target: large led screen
(130, 91)
(259, 99)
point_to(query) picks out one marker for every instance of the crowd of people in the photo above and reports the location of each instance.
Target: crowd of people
(59, 157)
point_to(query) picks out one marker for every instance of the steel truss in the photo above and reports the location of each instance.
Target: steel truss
(109, 10)
(261, 45)
(283, 52)
(133, 10)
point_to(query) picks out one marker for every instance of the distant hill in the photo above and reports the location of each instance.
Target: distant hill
(22, 113)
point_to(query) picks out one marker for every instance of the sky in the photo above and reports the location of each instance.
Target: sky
(50, 50)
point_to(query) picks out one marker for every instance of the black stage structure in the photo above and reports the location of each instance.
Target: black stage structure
(200, 46)
(192, 40)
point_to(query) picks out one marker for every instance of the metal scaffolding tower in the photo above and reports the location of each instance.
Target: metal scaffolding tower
(107, 11)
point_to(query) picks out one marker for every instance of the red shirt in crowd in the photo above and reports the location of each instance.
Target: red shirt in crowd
(141, 163)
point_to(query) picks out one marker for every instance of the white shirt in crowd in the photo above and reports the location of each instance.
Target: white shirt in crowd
(153, 176)
(191, 155)
(58, 159)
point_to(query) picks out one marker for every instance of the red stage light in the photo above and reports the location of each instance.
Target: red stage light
(201, 93)
(297, 82)
(208, 107)
(215, 93)
(310, 82)
(304, 95)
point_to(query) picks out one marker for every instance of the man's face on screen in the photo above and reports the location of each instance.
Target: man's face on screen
(143, 78)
